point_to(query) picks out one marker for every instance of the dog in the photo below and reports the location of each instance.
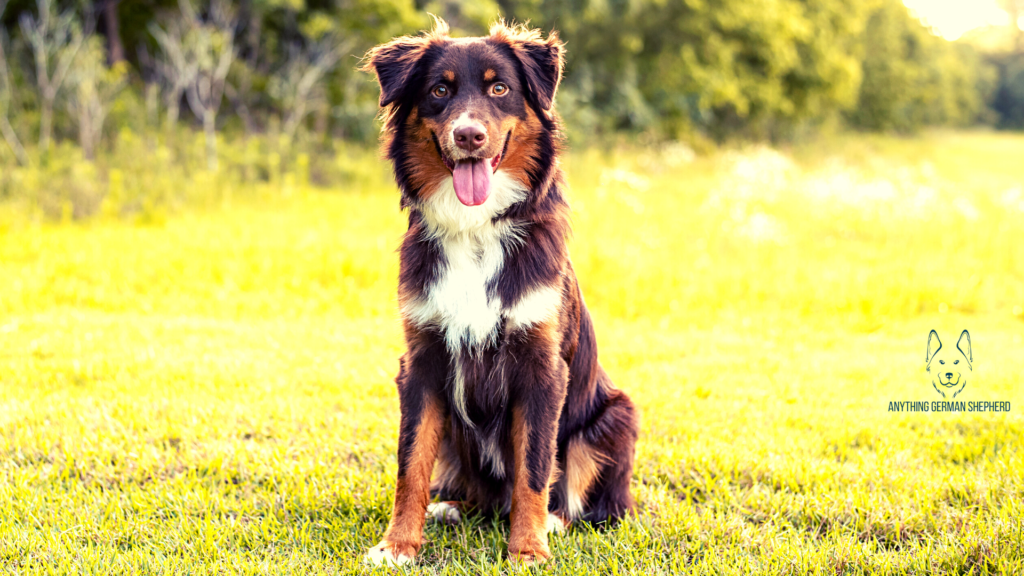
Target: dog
(500, 390)
(949, 367)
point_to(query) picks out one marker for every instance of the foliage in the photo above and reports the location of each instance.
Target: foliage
(1008, 101)
(93, 89)
(143, 177)
(1002, 48)
(7, 94)
(213, 393)
(756, 69)
(729, 67)
(912, 78)
(661, 69)
(54, 38)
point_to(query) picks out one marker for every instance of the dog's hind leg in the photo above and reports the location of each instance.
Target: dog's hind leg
(598, 464)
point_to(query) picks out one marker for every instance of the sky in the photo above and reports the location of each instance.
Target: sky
(954, 17)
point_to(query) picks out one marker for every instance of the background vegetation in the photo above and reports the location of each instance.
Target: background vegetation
(97, 98)
(283, 72)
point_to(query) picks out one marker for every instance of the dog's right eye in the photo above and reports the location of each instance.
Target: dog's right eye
(942, 361)
(440, 91)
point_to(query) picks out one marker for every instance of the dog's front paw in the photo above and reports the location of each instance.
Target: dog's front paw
(446, 512)
(529, 554)
(391, 554)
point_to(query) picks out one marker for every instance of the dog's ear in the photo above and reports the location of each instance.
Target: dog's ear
(542, 60)
(934, 344)
(964, 346)
(394, 62)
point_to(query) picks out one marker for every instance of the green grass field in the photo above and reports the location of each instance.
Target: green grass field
(212, 391)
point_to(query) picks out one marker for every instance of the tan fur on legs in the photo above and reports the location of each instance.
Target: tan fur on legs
(405, 532)
(528, 540)
(583, 465)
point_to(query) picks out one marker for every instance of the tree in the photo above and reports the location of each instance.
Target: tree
(725, 68)
(196, 56)
(55, 40)
(913, 78)
(173, 65)
(6, 98)
(94, 88)
(297, 85)
(112, 27)
(210, 49)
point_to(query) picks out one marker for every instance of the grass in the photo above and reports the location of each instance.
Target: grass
(211, 391)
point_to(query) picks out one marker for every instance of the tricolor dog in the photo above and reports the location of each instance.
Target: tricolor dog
(503, 403)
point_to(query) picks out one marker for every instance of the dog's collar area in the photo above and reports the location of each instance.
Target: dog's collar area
(450, 164)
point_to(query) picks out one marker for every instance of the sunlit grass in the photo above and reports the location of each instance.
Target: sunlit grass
(210, 390)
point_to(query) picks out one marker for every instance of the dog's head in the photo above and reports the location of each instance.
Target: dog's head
(466, 108)
(949, 367)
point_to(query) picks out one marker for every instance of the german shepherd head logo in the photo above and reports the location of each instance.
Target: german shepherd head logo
(949, 367)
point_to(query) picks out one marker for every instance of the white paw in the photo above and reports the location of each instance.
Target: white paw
(556, 525)
(443, 512)
(381, 555)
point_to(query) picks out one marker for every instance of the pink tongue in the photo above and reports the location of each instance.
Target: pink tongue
(472, 181)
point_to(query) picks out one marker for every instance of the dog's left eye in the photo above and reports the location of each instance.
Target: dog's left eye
(956, 362)
(499, 89)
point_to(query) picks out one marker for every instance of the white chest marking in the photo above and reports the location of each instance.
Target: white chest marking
(540, 305)
(459, 300)
(473, 253)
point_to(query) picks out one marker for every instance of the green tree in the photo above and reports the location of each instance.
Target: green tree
(913, 78)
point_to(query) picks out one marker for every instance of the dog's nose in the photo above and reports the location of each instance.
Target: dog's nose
(949, 375)
(470, 137)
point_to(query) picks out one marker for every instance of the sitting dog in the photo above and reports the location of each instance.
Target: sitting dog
(949, 367)
(500, 390)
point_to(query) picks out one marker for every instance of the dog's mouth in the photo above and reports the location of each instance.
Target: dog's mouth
(949, 383)
(471, 177)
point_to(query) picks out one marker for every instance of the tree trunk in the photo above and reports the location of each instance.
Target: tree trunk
(210, 127)
(323, 112)
(173, 108)
(45, 125)
(291, 123)
(152, 105)
(115, 48)
(85, 131)
(12, 140)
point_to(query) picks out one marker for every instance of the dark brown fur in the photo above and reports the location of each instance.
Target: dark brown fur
(542, 422)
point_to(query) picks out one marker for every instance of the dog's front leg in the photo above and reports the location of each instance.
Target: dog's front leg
(418, 439)
(540, 384)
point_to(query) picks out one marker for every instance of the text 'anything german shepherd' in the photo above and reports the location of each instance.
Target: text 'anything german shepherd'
(501, 394)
